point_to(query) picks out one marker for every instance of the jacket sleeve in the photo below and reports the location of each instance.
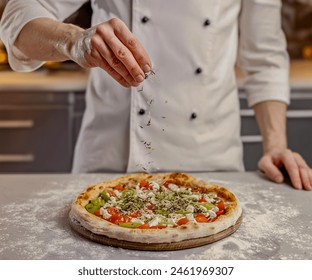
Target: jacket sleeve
(18, 13)
(262, 54)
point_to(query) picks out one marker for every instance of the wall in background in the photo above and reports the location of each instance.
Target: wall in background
(297, 25)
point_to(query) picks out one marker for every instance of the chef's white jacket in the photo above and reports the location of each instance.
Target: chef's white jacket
(186, 116)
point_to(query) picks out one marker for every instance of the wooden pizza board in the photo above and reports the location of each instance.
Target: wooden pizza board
(185, 244)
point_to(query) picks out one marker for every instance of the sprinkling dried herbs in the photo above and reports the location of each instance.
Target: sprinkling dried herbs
(149, 73)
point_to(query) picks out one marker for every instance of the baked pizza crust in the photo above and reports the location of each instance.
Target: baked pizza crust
(187, 231)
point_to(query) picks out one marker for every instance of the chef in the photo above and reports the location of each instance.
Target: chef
(185, 115)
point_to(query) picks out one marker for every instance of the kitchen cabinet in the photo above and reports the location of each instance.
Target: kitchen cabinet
(299, 127)
(38, 130)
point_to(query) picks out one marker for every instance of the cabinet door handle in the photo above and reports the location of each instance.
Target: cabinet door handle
(16, 124)
(17, 158)
(293, 114)
(299, 114)
(247, 113)
(251, 138)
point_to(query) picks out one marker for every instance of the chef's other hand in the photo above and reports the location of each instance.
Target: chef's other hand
(112, 47)
(299, 172)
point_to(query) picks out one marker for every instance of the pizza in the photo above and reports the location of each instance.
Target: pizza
(156, 208)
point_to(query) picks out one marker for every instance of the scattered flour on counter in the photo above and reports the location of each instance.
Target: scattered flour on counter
(264, 227)
(41, 229)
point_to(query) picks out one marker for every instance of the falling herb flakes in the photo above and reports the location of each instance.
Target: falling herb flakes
(147, 145)
(147, 74)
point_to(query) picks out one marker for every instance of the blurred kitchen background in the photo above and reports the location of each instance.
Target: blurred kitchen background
(41, 112)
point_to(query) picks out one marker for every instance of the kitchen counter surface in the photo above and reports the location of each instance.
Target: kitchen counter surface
(57, 80)
(277, 221)
(44, 80)
(301, 74)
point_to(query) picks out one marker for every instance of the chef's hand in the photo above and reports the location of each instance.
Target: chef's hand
(299, 172)
(112, 47)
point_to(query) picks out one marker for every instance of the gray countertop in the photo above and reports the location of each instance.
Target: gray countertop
(277, 222)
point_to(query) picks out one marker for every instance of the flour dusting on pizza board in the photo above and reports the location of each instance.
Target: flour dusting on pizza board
(155, 212)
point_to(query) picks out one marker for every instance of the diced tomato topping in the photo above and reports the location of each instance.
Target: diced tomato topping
(202, 200)
(112, 210)
(119, 188)
(220, 212)
(201, 218)
(182, 221)
(114, 218)
(220, 205)
(144, 184)
(144, 226)
(111, 193)
(200, 215)
(119, 218)
(126, 219)
(167, 183)
(135, 214)
(151, 207)
(97, 213)
(212, 220)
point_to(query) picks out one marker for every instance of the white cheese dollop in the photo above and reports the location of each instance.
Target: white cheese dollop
(191, 218)
(155, 221)
(190, 208)
(154, 185)
(171, 221)
(203, 209)
(212, 214)
(195, 196)
(136, 220)
(105, 214)
(153, 200)
(118, 193)
(113, 200)
(173, 187)
(208, 198)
